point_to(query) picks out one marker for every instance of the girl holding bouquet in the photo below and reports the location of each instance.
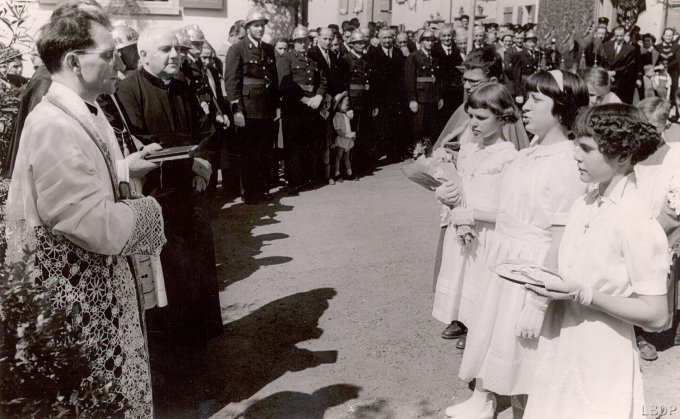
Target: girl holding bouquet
(480, 165)
(613, 262)
(537, 190)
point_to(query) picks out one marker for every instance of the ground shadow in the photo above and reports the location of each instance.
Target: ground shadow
(237, 247)
(254, 351)
(292, 404)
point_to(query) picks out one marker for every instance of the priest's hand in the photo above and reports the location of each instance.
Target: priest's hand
(375, 112)
(202, 168)
(413, 106)
(137, 166)
(239, 119)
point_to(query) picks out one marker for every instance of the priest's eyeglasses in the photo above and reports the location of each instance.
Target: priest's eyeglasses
(106, 54)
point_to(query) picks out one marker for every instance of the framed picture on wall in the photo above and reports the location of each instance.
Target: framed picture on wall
(158, 7)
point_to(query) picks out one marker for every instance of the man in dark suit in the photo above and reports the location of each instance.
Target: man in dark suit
(334, 70)
(621, 62)
(524, 64)
(386, 64)
(358, 80)
(449, 58)
(252, 89)
(422, 78)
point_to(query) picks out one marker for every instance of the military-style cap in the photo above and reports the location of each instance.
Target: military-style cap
(530, 35)
(427, 35)
(124, 36)
(182, 37)
(195, 33)
(528, 27)
(255, 16)
(300, 32)
(504, 34)
(464, 17)
(603, 21)
(357, 36)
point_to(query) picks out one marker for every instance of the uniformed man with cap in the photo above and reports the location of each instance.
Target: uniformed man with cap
(423, 86)
(303, 87)
(125, 39)
(359, 84)
(206, 82)
(524, 64)
(251, 82)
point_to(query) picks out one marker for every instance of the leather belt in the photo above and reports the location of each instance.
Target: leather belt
(425, 79)
(307, 87)
(253, 81)
(358, 87)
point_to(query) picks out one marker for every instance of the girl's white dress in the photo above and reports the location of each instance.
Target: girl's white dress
(345, 137)
(538, 189)
(480, 168)
(588, 360)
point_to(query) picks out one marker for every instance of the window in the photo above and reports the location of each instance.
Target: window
(531, 11)
(520, 15)
(507, 15)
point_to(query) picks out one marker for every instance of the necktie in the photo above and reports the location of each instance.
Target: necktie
(618, 48)
(448, 51)
(327, 58)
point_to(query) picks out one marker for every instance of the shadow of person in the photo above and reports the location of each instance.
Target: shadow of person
(254, 351)
(237, 247)
(292, 404)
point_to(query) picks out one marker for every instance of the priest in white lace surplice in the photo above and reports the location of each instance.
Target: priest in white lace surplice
(63, 204)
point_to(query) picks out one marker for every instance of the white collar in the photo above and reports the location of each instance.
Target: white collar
(254, 42)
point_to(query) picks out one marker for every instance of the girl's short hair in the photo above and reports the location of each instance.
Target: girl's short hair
(567, 100)
(620, 131)
(656, 110)
(495, 98)
(596, 76)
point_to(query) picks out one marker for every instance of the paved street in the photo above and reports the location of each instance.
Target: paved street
(326, 301)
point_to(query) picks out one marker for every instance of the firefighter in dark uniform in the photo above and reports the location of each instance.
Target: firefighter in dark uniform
(207, 84)
(251, 83)
(524, 64)
(423, 87)
(359, 85)
(303, 88)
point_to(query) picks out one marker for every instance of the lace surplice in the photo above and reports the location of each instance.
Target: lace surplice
(62, 209)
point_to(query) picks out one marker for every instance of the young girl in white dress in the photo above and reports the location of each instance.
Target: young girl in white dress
(537, 190)
(480, 165)
(613, 263)
(344, 139)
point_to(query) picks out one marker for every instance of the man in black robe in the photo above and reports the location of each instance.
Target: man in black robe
(163, 109)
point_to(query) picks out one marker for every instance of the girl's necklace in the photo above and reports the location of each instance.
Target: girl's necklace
(598, 208)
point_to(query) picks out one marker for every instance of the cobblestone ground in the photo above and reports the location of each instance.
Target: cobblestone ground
(326, 301)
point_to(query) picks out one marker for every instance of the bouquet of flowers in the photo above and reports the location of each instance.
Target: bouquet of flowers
(432, 168)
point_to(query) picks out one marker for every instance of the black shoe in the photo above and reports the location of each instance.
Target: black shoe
(454, 330)
(461, 341)
(293, 191)
(250, 200)
(647, 350)
(267, 197)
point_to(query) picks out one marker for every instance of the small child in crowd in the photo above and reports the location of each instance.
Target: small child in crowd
(344, 140)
